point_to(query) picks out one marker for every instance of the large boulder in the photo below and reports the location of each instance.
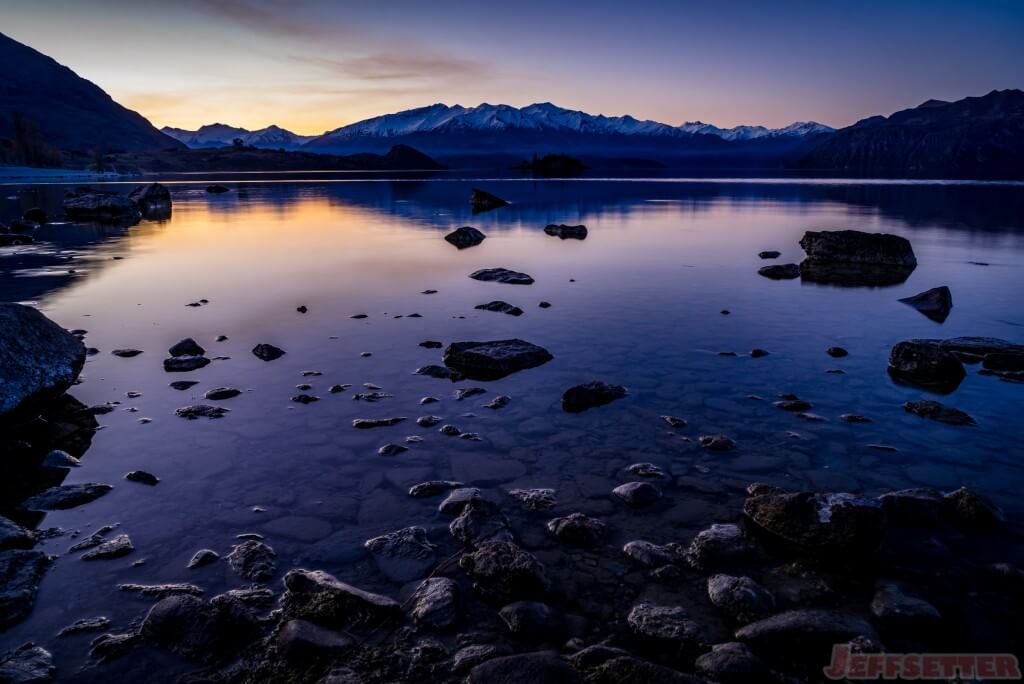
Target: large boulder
(839, 523)
(926, 364)
(38, 358)
(100, 206)
(153, 200)
(494, 360)
(321, 598)
(852, 257)
(27, 664)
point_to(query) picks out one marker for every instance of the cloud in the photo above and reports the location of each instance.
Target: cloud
(392, 66)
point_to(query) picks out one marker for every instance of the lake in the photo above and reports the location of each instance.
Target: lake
(641, 302)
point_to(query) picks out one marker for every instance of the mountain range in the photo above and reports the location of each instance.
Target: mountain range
(222, 135)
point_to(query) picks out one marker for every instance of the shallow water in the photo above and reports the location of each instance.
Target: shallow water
(637, 303)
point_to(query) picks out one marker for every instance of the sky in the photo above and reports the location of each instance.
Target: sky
(315, 65)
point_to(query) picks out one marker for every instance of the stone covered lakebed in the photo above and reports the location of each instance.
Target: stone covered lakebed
(700, 451)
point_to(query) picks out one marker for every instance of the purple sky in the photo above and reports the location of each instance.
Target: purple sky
(312, 65)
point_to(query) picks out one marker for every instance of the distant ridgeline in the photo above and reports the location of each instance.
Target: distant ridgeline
(49, 116)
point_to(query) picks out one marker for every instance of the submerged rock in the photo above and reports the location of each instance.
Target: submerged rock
(321, 598)
(501, 275)
(565, 232)
(894, 608)
(217, 189)
(221, 393)
(780, 271)
(935, 303)
(926, 364)
(841, 524)
(481, 200)
(933, 410)
(65, 496)
(39, 359)
(439, 372)
(142, 477)
(404, 554)
(495, 359)
(591, 395)
(717, 442)
(500, 307)
(464, 237)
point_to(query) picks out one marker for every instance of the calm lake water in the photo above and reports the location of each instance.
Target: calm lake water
(637, 303)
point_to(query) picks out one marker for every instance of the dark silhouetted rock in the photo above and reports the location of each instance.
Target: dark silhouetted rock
(95, 206)
(743, 599)
(590, 395)
(502, 572)
(925, 363)
(153, 200)
(464, 237)
(197, 411)
(36, 214)
(203, 557)
(500, 307)
(321, 598)
(637, 494)
(973, 511)
(769, 254)
(300, 642)
(933, 410)
(481, 200)
(542, 667)
(14, 536)
(841, 524)
(221, 393)
(935, 303)
(20, 572)
(142, 477)
(913, 507)
(629, 670)
(894, 608)
(780, 271)
(565, 232)
(65, 496)
(217, 189)
(494, 360)
(807, 631)
(853, 257)
(577, 529)
(39, 359)
(27, 664)
(187, 347)
(253, 560)
(501, 275)
(837, 352)
(267, 352)
(435, 603)
(732, 663)
(185, 364)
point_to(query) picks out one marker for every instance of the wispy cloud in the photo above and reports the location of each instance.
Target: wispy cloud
(386, 67)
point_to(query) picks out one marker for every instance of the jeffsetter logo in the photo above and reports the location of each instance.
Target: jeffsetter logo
(941, 666)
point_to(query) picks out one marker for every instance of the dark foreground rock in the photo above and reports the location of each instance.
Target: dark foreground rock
(565, 232)
(925, 363)
(841, 524)
(481, 200)
(404, 554)
(435, 602)
(732, 663)
(807, 632)
(464, 237)
(780, 271)
(503, 572)
(185, 364)
(933, 410)
(96, 206)
(591, 395)
(253, 560)
(267, 352)
(494, 360)
(853, 257)
(153, 200)
(542, 667)
(27, 664)
(66, 496)
(20, 572)
(195, 629)
(322, 599)
(501, 275)
(935, 303)
(38, 358)
(500, 307)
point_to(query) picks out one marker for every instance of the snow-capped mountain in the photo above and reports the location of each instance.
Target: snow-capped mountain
(543, 116)
(222, 135)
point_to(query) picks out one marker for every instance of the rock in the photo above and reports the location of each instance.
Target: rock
(182, 385)
(893, 608)
(305, 399)
(854, 418)
(792, 405)
(121, 545)
(717, 442)
(780, 271)
(545, 305)
(391, 449)
(732, 663)
(435, 603)
(14, 536)
(35, 214)
(758, 353)
(647, 470)
(743, 599)
(369, 397)
(542, 667)
(501, 275)
(431, 344)
(268, 352)
(933, 410)
(474, 654)
(185, 625)
(629, 670)
(439, 372)
(464, 237)
(637, 494)
(14, 240)
(300, 641)
(532, 620)
(184, 364)
(480, 521)
(498, 402)
(674, 422)
(806, 632)
(96, 624)
(161, 590)
(153, 200)
(495, 359)
(197, 411)
(720, 544)
(27, 664)
(216, 189)
(590, 395)
(979, 346)
(95, 206)
(536, 499)
(65, 496)
(935, 303)
(404, 554)
(253, 560)
(500, 307)
(367, 423)
(203, 557)
(126, 353)
(973, 511)
(851, 257)
(20, 572)
(432, 488)
(186, 347)
(647, 554)
(502, 572)
(666, 626)
(565, 232)
(428, 421)
(221, 393)
(769, 254)
(457, 500)
(467, 392)
(1011, 362)
(920, 507)
(840, 524)
(321, 598)
(39, 360)
(577, 529)
(927, 364)
(60, 459)
(481, 200)
(142, 477)
(837, 352)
